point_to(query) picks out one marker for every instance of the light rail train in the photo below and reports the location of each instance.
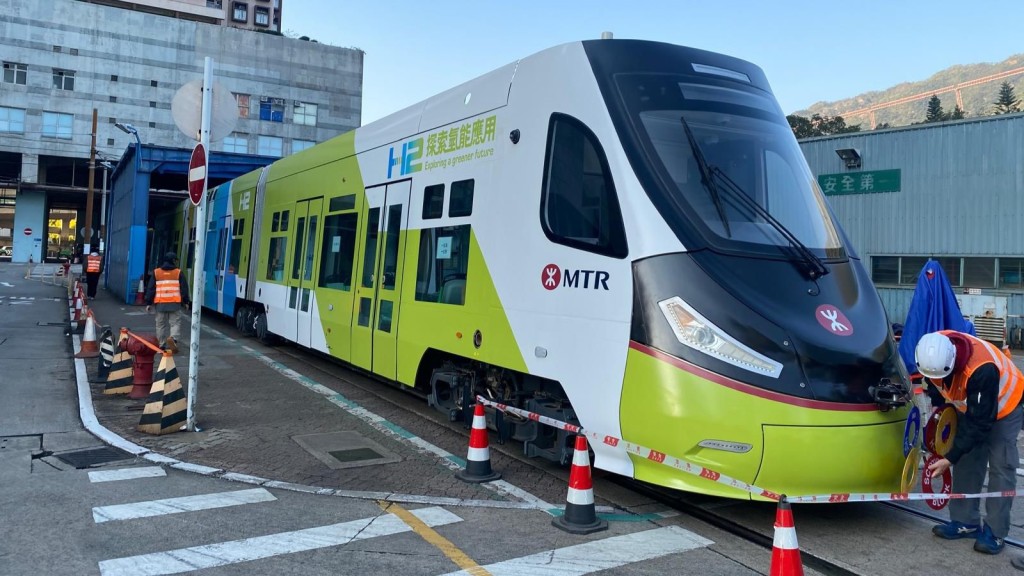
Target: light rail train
(621, 234)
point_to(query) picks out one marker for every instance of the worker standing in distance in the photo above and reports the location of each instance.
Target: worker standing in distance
(985, 387)
(93, 264)
(168, 291)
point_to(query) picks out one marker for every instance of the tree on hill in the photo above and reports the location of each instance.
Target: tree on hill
(935, 112)
(1007, 103)
(956, 114)
(818, 125)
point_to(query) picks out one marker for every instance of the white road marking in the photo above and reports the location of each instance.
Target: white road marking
(126, 474)
(606, 554)
(248, 549)
(176, 505)
(8, 285)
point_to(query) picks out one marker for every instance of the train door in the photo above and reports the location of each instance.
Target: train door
(375, 325)
(214, 297)
(302, 279)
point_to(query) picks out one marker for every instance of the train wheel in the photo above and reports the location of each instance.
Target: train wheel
(262, 334)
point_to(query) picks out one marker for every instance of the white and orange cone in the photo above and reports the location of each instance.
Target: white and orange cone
(478, 458)
(90, 348)
(785, 549)
(580, 515)
(78, 307)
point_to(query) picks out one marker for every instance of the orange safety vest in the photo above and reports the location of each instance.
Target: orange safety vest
(94, 264)
(1011, 381)
(167, 287)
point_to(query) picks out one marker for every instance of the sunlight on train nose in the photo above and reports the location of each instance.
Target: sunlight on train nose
(695, 331)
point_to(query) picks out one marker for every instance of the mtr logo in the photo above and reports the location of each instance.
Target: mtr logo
(408, 161)
(553, 276)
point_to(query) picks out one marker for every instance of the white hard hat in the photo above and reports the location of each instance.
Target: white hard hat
(94, 253)
(935, 355)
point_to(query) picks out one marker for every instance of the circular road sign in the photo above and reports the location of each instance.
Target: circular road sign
(28, 231)
(197, 174)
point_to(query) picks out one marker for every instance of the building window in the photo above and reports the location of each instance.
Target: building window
(300, 145)
(262, 17)
(579, 207)
(304, 114)
(1011, 273)
(238, 144)
(63, 79)
(272, 109)
(56, 125)
(243, 105)
(15, 73)
(885, 269)
(979, 272)
(240, 12)
(12, 120)
(269, 146)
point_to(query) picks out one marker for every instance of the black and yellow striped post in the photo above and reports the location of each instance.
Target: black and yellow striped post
(119, 379)
(165, 409)
(106, 357)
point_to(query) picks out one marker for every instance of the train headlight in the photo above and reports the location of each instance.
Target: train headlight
(695, 331)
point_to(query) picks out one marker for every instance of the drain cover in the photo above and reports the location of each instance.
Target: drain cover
(93, 456)
(345, 449)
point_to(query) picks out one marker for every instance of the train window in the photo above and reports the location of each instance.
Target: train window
(579, 207)
(275, 260)
(391, 246)
(433, 201)
(297, 256)
(276, 225)
(370, 253)
(442, 265)
(307, 272)
(461, 202)
(343, 203)
(337, 252)
(236, 254)
(284, 221)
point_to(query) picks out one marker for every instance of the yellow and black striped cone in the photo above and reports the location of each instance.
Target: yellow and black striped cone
(106, 357)
(119, 380)
(165, 409)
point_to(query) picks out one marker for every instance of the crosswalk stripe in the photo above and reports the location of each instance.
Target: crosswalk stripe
(248, 549)
(183, 504)
(126, 474)
(605, 554)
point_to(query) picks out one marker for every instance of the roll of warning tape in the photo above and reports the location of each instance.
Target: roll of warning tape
(910, 468)
(927, 484)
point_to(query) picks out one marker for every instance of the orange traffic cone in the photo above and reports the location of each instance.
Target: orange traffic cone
(140, 294)
(785, 550)
(580, 515)
(478, 458)
(78, 307)
(90, 349)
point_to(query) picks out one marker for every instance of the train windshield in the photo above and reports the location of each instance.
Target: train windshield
(712, 144)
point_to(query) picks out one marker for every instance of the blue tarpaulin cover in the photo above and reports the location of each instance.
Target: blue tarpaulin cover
(934, 307)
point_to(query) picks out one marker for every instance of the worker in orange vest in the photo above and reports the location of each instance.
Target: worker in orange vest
(168, 291)
(985, 387)
(92, 273)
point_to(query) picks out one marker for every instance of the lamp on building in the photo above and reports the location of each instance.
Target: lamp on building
(849, 155)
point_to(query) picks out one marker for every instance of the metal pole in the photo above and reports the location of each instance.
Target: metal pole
(198, 274)
(103, 214)
(87, 243)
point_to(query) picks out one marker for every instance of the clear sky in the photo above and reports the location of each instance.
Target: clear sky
(810, 50)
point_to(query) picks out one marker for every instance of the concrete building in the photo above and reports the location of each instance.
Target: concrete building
(64, 58)
(249, 14)
(953, 192)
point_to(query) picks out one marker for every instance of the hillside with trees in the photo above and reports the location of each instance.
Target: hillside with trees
(996, 97)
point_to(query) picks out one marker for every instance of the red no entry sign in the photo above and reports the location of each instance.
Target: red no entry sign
(28, 231)
(197, 174)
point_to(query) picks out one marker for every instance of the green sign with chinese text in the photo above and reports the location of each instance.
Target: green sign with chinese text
(866, 182)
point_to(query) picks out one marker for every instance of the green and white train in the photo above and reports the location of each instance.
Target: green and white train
(621, 234)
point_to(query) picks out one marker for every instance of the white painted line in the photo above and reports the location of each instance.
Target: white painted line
(177, 505)
(126, 474)
(606, 554)
(248, 549)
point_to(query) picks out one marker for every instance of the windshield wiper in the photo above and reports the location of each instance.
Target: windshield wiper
(815, 266)
(705, 176)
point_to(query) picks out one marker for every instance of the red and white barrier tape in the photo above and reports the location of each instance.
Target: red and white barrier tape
(667, 460)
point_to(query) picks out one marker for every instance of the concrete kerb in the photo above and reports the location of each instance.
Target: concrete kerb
(92, 424)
